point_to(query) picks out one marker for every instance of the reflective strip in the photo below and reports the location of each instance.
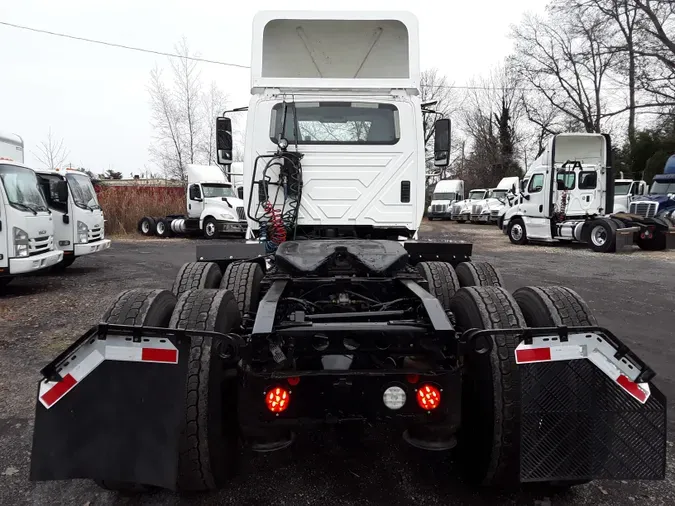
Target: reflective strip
(87, 357)
(591, 346)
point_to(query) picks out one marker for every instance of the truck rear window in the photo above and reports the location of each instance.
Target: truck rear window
(336, 123)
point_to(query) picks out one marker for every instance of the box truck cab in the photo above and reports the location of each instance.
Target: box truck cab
(26, 223)
(446, 193)
(79, 227)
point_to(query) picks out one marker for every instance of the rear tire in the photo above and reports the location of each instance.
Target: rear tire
(5, 280)
(554, 306)
(478, 274)
(489, 440)
(196, 275)
(138, 306)
(243, 279)
(602, 236)
(163, 228)
(147, 226)
(209, 445)
(442, 280)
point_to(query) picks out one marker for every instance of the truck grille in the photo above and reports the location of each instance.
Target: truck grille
(240, 214)
(39, 245)
(644, 209)
(95, 234)
(439, 208)
(476, 209)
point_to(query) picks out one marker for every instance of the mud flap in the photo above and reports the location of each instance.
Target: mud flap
(624, 237)
(115, 414)
(589, 412)
(670, 238)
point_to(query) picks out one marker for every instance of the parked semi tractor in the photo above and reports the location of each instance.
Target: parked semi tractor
(446, 193)
(488, 209)
(625, 191)
(324, 319)
(461, 211)
(660, 202)
(212, 204)
(26, 224)
(79, 225)
(570, 197)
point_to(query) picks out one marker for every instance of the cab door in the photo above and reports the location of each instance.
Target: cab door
(534, 207)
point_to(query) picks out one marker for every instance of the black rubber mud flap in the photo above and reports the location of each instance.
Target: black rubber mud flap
(120, 422)
(591, 429)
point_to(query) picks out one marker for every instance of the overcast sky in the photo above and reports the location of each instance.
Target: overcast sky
(96, 99)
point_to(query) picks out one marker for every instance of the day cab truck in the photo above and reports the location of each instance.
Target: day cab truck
(213, 208)
(446, 193)
(660, 201)
(569, 197)
(326, 320)
(625, 191)
(497, 199)
(461, 211)
(27, 243)
(79, 224)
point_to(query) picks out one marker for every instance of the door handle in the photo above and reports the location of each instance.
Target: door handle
(541, 208)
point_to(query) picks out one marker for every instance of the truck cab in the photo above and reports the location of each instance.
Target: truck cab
(26, 224)
(625, 191)
(496, 201)
(661, 198)
(446, 193)
(461, 211)
(79, 226)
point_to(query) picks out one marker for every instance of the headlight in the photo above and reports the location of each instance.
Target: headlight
(82, 233)
(429, 209)
(20, 242)
(226, 216)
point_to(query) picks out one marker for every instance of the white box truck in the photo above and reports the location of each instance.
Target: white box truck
(446, 193)
(79, 227)
(212, 203)
(26, 223)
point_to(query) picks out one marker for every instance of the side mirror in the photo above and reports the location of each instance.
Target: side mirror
(224, 140)
(195, 194)
(442, 143)
(61, 188)
(240, 192)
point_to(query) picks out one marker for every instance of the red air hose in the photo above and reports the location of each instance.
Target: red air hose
(277, 228)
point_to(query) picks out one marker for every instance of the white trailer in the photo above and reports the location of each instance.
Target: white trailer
(79, 225)
(446, 193)
(212, 204)
(26, 224)
(569, 197)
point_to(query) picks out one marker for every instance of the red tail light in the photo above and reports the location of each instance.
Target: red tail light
(428, 397)
(277, 399)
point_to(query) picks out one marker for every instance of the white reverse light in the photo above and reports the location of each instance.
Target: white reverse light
(394, 398)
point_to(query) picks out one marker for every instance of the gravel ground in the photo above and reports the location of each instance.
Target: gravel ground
(633, 294)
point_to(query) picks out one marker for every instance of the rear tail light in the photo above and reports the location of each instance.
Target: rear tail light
(277, 399)
(428, 397)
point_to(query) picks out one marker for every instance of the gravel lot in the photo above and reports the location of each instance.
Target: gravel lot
(633, 294)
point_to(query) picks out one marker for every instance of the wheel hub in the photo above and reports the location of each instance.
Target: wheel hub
(517, 232)
(599, 235)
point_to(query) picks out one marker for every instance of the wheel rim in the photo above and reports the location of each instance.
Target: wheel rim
(145, 227)
(210, 229)
(599, 235)
(161, 228)
(517, 232)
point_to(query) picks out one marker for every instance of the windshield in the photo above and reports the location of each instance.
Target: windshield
(218, 190)
(21, 187)
(337, 123)
(621, 188)
(498, 194)
(82, 191)
(476, 194)
(662, 188)
(445, 196)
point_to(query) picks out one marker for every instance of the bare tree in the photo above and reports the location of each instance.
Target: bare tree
(51, 153)
(168, 148)
(564, 60)
(187, 94)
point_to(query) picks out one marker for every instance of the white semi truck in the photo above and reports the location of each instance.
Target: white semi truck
(497, 199)
(26, 223)
(79, 225)
(446, 193)
(461, 211)
(569, 197)
(212, 203)
(625, 191)
(334, 325)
